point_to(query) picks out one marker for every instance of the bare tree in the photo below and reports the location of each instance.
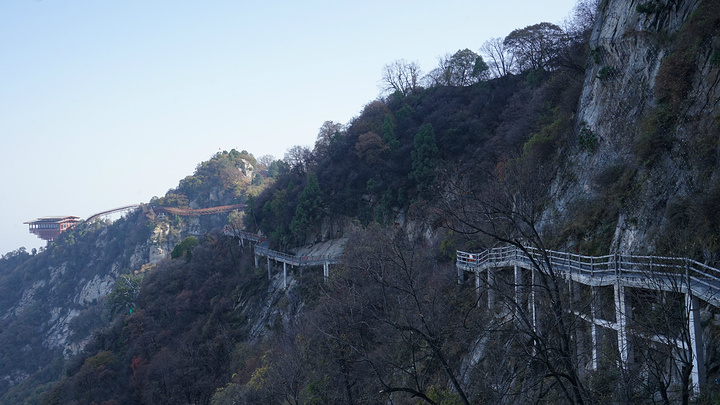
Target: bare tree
(265, 161)
(536, 46)
(581, 19)
(398, 316)
(499, 58)
(462, 68)
(660, 326)
(401, 76)
(509, 209)
(298, 158)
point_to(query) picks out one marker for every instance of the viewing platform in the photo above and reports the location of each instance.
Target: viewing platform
(49, 228)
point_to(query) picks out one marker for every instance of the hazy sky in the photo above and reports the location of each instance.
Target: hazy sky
(109, 103)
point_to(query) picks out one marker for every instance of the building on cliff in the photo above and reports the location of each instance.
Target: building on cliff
(49, 228)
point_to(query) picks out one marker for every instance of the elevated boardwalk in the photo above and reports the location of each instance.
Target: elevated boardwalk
(648, 272)
(281, 257)
(696, 281)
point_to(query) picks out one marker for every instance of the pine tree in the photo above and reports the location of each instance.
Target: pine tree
(424, 159)
(309, 210)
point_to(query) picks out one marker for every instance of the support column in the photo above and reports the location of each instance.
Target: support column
(595, 339)
(518, 285)
(478, 283)
(491, 288)
(696, 342)
(577, 333)
(284, 275)
(326, 271)
(256, 260)
(622, 314)
(533, 306)
(268, 262)
(460, 275)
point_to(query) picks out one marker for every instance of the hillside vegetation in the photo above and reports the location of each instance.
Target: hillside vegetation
(503, 146)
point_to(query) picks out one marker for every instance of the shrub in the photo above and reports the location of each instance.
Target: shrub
(715, 58)
(605, 73)
(184, 248)
(587, 140)
(646, 8)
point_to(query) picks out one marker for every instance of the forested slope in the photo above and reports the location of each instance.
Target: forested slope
(589, 138)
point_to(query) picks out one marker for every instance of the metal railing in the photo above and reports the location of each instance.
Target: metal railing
(253, 237)
(698, 277)
(296, 260)
(281, 256)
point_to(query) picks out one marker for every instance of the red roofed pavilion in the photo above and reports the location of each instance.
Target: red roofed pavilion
(49, 228)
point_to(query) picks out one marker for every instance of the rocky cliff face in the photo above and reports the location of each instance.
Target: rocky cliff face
(649, 109)
(59, 294)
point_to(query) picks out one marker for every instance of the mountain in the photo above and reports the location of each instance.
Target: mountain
(600, 138)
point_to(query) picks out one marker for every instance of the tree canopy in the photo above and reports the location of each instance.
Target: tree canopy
(536, 46)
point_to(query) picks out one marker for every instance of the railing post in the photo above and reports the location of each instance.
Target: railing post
(617, 265)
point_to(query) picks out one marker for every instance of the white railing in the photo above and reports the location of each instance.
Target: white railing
(228, 231)
(699, 277)
(296, 260)
(281, 256)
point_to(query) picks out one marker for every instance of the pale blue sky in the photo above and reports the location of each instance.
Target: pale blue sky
(107, 103)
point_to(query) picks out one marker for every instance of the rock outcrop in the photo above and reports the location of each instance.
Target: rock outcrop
(645, 126)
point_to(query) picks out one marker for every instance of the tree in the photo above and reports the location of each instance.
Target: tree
(388, 133)
(265, 161)
(124, 293)
(501, 61)
(489, 209)
(424, 158)
(298, 159)
(390, 319)
(463, 68)
(370, 148)
(535, 47)
(573, 51)
(309, 210)
(582, 19)
(184, 248)
(401, 76)
(328, 132)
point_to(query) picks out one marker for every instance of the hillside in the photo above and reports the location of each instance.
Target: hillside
(603, 140)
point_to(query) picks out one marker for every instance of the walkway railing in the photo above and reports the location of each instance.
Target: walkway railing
(281, 256)
(701, 279)
(296, 260)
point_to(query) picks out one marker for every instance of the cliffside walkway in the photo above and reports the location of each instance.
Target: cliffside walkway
(183, 212)
(281, 257)
(192, 212)
(695, 280)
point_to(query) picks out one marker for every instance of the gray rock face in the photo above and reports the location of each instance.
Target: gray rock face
(620, 92)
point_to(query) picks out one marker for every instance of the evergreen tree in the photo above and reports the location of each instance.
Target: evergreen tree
(309, 210)
(424, 159)
(388, 131)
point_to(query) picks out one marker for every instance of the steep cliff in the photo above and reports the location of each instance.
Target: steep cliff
(51, 302)
(647, 124)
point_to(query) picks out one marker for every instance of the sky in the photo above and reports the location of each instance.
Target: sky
(109, 103)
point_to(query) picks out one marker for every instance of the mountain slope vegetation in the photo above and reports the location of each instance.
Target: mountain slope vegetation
(500, 148)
